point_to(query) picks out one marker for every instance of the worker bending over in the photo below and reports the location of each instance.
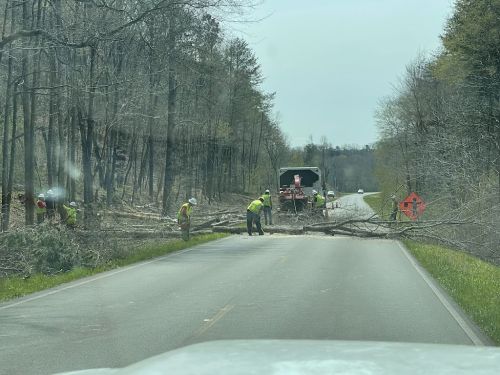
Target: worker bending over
(253, 215)
(70, 219)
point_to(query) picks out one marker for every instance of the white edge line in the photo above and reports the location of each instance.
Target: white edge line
(107, 274)
(453, 312)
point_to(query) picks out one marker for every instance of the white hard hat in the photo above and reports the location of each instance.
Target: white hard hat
(314, 192)
(41, 195)
(49, 192)
(267, 190)
(72, 204)
(393, 196)
(193, 201)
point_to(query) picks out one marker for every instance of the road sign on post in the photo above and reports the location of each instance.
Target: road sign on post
(412, 206)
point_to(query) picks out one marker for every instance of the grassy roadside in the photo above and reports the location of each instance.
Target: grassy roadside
(376, 203)
(472, 283)
(13, 287)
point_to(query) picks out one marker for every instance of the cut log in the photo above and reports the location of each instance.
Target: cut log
(221, 223)
(225, 229)
(270, 230)
(130, 215)
(206, 224)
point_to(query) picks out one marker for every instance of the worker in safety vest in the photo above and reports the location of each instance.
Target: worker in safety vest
(184, 217)
(253, 215)
(40, 208)
(268, 206)
(70, 215)
(318, 200)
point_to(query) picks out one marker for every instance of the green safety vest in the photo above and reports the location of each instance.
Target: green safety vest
(187, 208)
(256, 206)
(70, 215)
(267, 200)
(320, 200)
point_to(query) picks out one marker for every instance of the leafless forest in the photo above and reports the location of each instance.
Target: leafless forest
(115, 99)
(440, 131)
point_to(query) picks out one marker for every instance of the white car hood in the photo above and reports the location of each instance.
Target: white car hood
(291, 357)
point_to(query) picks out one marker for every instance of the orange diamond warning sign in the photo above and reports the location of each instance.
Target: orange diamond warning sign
(412, 206)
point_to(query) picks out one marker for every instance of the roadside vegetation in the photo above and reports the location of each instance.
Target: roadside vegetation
(440, 133)
(49, 276)
(473, 283)
(377, 204)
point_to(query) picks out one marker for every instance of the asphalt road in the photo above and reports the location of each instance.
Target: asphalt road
(351, 206)
(270, 287)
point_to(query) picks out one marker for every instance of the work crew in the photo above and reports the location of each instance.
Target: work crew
(40, 208)
(394, 208)
(268, 207)
(70, 219)
(318, 200)
(184, 217)
(253, 215)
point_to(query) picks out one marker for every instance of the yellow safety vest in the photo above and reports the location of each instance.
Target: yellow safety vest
(188, 210)
(320, 200)
(70, 215)
(256, 206)
(267, 200)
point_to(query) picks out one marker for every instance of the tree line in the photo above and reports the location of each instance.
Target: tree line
(112, 100)
(440, 131)
(127, 101)
(344, 169)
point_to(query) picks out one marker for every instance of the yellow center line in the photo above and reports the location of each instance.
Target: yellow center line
(210, 322)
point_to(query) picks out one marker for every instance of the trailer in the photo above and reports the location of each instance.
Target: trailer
(296, 186)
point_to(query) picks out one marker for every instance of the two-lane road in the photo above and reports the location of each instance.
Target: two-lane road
(271, 287)
(351, 206)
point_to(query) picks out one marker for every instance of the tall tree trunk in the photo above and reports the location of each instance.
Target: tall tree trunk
(5, 224)
(71, 184)
(171, 118)
(28, 129)
(50, 144)
(5, 148)
(153, 103)
(87, 136)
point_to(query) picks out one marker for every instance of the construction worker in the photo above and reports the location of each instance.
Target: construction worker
(253, 215)
(268, 206)
(184, 217)
(70, 214)
(394, 208)
(40, 208)
(318, 201)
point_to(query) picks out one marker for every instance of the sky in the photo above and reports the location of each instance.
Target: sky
(330, 62)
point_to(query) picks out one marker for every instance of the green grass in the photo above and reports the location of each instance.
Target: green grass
(383, 209)
(472, 283)
(377, 204)
(13, 287)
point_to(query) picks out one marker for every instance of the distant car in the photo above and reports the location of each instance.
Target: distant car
(331, 194)
(361, 191)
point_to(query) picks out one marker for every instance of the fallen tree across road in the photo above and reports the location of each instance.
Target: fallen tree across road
(435, 231)
(270, 230)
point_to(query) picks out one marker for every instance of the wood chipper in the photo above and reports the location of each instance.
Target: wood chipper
(297, 184)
